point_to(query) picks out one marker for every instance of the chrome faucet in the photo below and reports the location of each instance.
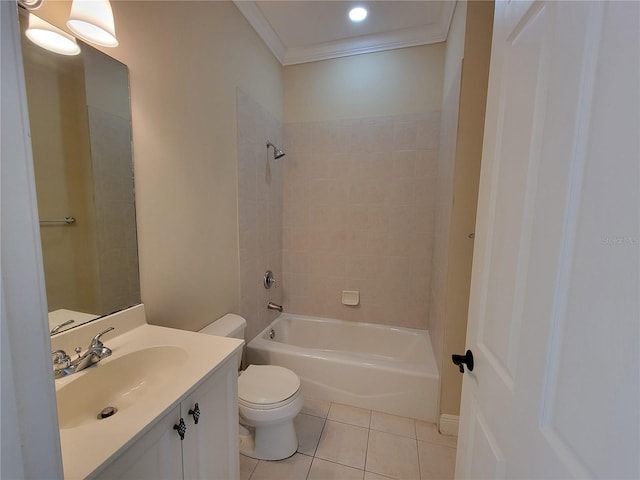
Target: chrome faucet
(63, 365)
(274, 306)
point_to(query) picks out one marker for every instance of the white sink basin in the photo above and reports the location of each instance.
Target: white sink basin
(129, 381)
(150, 370)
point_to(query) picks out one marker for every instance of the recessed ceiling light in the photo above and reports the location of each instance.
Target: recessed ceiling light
(358, 14)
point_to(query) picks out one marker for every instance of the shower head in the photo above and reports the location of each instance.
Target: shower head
(277, 153)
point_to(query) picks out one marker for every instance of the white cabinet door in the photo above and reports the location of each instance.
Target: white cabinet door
(554, 313)
(210, 447)
(155, 456)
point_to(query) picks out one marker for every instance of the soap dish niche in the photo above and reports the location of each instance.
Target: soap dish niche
(350, 297)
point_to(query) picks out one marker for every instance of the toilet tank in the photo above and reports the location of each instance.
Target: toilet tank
(229, 325)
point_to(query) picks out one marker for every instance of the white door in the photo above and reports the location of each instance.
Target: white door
(554, 318)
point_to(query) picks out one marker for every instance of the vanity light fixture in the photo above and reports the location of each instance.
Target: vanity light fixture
(357, 14)
(30, 4)
(50, 37)
(92, 20)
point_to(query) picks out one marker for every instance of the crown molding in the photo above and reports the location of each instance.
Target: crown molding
(262, 27)
(342, 48)
(447, 17)
(364, 44)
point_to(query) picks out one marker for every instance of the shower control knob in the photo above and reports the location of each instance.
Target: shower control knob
(269, 280)
(462, 360)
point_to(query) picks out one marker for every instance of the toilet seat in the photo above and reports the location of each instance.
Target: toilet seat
(265, 387)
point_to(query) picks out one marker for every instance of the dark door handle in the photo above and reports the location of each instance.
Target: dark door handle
(461, 360)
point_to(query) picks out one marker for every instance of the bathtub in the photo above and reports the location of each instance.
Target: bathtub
(378, 367)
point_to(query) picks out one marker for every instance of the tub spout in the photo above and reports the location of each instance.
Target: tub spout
(274, 306)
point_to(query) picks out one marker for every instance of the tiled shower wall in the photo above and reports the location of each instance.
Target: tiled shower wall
(359, 200)
(259, 212)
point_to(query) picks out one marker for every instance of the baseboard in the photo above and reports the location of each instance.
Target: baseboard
(449, 424)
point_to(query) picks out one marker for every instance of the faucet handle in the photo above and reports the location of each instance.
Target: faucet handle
(96, 343)
(60, 360)
(59, 357)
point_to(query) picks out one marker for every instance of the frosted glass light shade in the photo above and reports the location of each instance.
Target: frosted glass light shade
(51, 38)
(92, 20)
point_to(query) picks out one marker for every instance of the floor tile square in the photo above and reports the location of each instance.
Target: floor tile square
(376, 476)
(315, 407)
(247, 466)
(393, 424)
(308, 430)
(436, 461)
(392, 455)
(342, 443)
(292, 468)
(351, 415)
(323, 470)
(428, 432)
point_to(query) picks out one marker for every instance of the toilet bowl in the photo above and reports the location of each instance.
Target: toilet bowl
(269, 398)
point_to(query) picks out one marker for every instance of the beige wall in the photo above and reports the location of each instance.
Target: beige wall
(394, 82)
(362, 137)
(471, 38)
(185, 149)
(186, 60)
(446, 160)
(473, 99)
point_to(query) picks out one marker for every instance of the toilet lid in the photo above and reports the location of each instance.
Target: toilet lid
(267, 384)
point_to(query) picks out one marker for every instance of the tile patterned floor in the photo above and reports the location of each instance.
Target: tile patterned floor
(339, 442)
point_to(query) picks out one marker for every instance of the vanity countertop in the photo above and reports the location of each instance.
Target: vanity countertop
(87, 443)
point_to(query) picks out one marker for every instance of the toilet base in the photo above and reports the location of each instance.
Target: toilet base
(259, 442)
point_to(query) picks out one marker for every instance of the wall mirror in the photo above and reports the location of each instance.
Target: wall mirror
(80, 122)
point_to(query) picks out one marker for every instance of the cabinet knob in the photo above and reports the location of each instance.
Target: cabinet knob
(195, 412)
(181, 428)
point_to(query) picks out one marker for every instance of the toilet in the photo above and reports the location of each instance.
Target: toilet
(269, 398)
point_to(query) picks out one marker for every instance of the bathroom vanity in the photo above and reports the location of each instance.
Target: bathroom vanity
(160, 381)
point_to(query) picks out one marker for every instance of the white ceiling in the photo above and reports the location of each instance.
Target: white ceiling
(307, 30)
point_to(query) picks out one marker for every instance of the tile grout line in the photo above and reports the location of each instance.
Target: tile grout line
(418, 454)
(253, 469)
(315, 450)
(415, 428)
(366, 451)
(310, 464)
